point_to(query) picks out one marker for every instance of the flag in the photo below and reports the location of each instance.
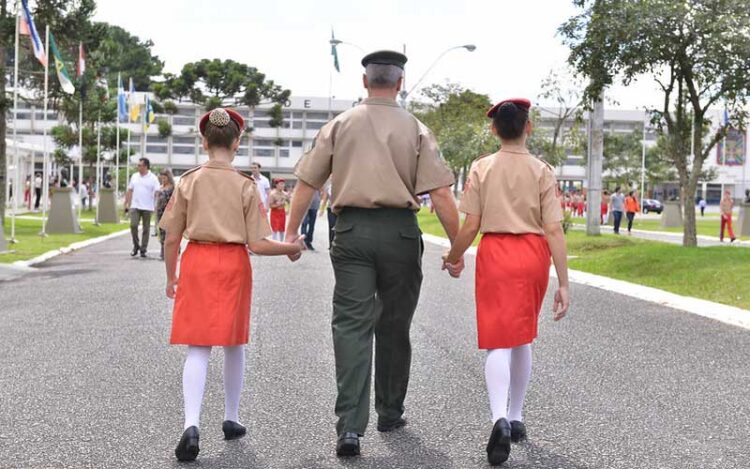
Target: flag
(122, 108)
(30, 28)
(81, 68)
(334, 53)
(134, 107)
(62, 72)
(149, 112)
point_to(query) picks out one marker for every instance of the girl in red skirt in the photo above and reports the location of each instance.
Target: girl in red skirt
(277, 200)
(511, 197)
(220, 211)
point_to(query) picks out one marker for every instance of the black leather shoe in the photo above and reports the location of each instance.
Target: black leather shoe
(187, 449)
(233, 430)
(517, 431)
(390, 426)
(498, 448)
(348, 444)
(143, 254)
(134, 252)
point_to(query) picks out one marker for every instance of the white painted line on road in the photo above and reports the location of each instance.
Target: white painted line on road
(708, 309)
(70, 248)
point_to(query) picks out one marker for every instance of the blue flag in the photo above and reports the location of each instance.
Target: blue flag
(122, 107)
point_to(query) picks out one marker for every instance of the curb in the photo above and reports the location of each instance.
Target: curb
(708, 309)
(669, 234)
(67, 249)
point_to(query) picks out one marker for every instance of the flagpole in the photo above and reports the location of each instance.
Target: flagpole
(127, 159)
(643, 162)
(143, 127)
(45, 176)
(98, 165)
(15, 135)
(80, 155)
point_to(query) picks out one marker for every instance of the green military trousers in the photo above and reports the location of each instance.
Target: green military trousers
(377, 261)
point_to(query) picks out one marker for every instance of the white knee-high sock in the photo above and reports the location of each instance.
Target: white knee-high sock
(520, 374)
(194, 383)
(497, 375)
(234, 376)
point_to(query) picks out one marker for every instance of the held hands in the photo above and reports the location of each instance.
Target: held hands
(298, 240)
(454, 269)
(171, 288)
(561, 303)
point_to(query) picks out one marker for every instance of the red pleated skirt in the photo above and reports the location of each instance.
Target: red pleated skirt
(278, 219)
(512, 274)
(212, 303)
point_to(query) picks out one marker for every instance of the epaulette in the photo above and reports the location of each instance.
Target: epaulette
(248, 176)
(191, 170)
(552, 168)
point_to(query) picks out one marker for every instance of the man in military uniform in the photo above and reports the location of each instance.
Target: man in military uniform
(380, 159)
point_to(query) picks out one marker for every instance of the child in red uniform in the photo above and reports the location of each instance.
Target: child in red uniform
(277, 200)
(511, 197)
(220, 211)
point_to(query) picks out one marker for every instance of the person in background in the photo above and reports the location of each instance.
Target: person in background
(512, 198)
(308, 225)
(605, 208)
(38, 182)
(631, 208)
(162, 199)
(702, 206)
(139, 201)
(725, 206)
(264, 185)
(617, 208)
(27, 193)
(277, 200)
(83, 193)
(325, 204)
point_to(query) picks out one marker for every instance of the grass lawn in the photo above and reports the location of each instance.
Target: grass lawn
(717, 274)
(707, 226)
(31, 244)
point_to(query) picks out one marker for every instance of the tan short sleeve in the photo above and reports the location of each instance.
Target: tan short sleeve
(174, 219)
(432, 172)
(471, 200)
(314, 167)
(551, 210)
(256, 222)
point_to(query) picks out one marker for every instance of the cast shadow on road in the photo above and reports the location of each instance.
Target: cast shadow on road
(234, 454)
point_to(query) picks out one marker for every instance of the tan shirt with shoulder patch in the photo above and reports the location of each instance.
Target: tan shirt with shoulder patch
(377, 155)
(513, 193)
(215, 203)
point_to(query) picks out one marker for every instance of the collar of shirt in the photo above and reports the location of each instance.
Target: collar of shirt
(381, 101)
(218, 164)
(519, 150)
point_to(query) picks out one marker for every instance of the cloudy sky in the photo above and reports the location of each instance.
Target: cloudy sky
(516, 41)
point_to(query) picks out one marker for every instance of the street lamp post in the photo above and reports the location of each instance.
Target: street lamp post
(405, 94)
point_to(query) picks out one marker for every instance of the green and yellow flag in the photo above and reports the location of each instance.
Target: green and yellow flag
(62, 72)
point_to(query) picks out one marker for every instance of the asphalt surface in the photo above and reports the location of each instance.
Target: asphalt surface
(89, 380)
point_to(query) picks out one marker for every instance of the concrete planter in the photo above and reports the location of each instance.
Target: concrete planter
(743, 223)
(62, 215)
(108, 206)
(671, 217)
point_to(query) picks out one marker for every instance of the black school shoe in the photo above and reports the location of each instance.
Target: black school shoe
(498, 448)
(393, 425)
(348, 444)
(233, 430)
(187, 449)
(134, 252)
(517, 431)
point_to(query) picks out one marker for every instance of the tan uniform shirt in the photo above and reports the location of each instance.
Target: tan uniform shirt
(277, 199)
(216, 203)
(513, 193)
(378, 155)
(725, 206)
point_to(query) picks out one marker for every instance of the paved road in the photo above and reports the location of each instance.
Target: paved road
(88, 379)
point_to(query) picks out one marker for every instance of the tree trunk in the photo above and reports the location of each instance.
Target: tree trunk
(689, 238)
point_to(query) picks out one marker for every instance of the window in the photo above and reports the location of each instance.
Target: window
(297, 143)
(297, 124)
(262, 123)
(156, 139)
(262, 142)
(186, 140)
(156, 149)
(315, 125)
(260, 113)
(183, 150)
(263, 152)
(178, 120)
(284, 153)
(317, 115)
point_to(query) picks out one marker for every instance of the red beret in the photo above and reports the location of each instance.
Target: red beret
(523, 103)
(233, 115)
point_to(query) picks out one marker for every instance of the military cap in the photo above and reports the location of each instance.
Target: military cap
(385, 57)
(221, 117)
(522, 103)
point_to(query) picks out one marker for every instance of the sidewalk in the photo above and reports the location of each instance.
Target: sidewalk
(667, 236)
